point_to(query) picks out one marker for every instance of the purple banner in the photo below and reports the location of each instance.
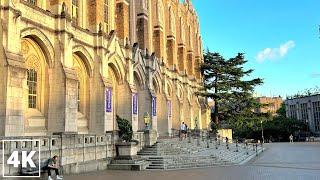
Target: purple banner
(134, 103)
(169, 109)
(109, 100)
(154, 106)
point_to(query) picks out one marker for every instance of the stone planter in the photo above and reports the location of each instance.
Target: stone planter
(126, 150)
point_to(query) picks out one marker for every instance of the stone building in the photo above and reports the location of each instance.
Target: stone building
(306, 109)
(272, 104)
(71, 66)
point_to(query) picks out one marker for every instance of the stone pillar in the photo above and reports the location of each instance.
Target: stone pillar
(122, 19)
(158, 42)
(142, 31)
(150, 137)
(95, 14)
(190, 63)
(181, 58)
(14, 123)
(170, 52)
(71, 103)
(169, 114)
(196, 67)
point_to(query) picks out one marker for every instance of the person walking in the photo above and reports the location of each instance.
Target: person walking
(182, 130)
(291, 138)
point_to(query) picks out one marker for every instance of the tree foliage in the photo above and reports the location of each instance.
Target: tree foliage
(277, 128)
(226, 82)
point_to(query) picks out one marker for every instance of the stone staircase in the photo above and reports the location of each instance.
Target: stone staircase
(176, 154)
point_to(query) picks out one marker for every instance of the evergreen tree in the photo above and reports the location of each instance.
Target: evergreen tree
(224, 81)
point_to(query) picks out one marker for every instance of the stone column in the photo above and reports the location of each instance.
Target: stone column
(142, 30)
(190, 63)
(71, 103)
(122, 19)
(181, 58)
(15, 103)
(158, 42)
(169, 114)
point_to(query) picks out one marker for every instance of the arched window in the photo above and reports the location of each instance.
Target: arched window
(32, 81)
(75, 11)
(83, 82)
(106, 15)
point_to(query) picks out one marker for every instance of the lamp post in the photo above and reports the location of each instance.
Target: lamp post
(146, 118)
(262, 131)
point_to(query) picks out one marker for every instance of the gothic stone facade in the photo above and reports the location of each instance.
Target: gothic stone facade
(71, 66)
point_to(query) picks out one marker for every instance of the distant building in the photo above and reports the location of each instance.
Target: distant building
(306, 109)
(273, 104)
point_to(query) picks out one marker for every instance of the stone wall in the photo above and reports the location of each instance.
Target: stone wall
(77, 153)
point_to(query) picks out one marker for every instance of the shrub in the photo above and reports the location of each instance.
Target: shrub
(125, 129)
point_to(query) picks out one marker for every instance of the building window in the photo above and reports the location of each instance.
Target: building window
(304, 112)
(75, 11)
(33, 2)
(316, 114)
(293, 112)
(32, 88)
(106, 14)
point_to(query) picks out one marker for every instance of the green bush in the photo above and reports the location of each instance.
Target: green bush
(125, 129)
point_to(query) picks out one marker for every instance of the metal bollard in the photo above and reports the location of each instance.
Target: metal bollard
(246, 145)
(262, 146)
(189, 136)
(208, 143)
(198, 141)
(256, 149)
(227, 145)
(237, 145)
(216, 143)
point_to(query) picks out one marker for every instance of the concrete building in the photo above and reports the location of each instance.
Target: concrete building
(306, 109)
(273, 104)
(71, 66)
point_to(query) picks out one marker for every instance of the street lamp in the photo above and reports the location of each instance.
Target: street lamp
(262, 132)
(146, 118)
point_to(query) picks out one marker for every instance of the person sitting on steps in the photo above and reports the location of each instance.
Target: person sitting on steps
(53, 165)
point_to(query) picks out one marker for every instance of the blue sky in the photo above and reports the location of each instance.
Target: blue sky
(280, 38)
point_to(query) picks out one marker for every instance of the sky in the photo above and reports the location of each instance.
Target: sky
(280, 38)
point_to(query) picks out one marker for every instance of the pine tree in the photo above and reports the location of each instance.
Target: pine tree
(224, 81)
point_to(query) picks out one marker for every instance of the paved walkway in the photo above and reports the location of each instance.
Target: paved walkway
(298, 161)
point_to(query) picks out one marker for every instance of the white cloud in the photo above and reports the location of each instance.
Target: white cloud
(275, 53)
(315, 75)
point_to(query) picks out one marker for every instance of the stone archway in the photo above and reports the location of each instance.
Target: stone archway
(144, 100)
(37, 91)
(83, 93)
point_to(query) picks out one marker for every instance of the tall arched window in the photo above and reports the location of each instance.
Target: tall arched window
(75, 11)
(106, 15)
(32, 80)
(82, 88)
